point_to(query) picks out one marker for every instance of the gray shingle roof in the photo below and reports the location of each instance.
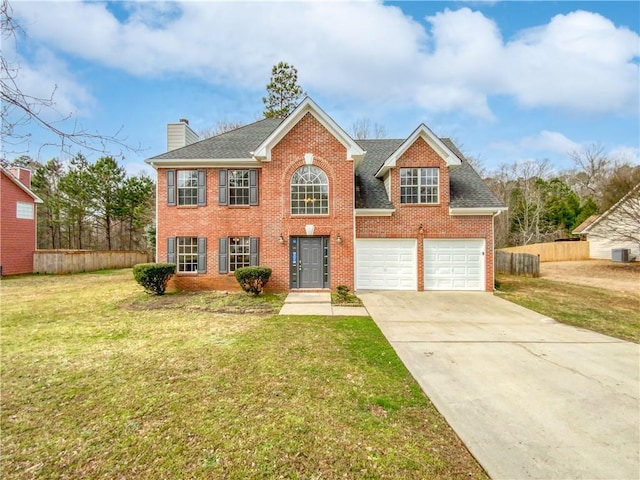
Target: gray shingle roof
(370, 191)
(237, 143)
(467, 189)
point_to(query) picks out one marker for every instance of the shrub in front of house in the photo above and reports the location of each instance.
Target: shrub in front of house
(154, 276)
(343, 292)
(253, 279)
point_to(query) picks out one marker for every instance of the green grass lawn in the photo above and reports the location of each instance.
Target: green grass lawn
(605, 311)
(102, 381)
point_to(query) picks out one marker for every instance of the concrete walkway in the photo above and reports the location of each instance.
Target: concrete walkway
(531, 398)
(317, 303)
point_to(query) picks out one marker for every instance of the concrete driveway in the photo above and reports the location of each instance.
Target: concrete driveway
(531, 398)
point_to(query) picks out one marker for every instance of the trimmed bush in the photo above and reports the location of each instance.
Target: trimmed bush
(154, 276)
(253, 279)
(342, 291)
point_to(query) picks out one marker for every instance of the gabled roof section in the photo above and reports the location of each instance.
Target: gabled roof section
(467, 191)
(263, 151)
(234, 145)
(22, 186)
(469, 194)
(583, 226)
(630, 194)
(424, 132)
(370, 191)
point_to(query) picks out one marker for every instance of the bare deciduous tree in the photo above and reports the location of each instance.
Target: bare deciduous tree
(362, 128)
(21, 109)
(222, 126)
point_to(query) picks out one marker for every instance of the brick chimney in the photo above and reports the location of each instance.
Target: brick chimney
(22, 174)
(180, 135)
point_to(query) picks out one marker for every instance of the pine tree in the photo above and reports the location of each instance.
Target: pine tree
(283, 91)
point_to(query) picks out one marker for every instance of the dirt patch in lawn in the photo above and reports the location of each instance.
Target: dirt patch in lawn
(623, 277)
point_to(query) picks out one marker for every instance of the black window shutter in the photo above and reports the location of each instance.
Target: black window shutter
(171, 187)
(202, 187)
(253, 187)
(223, 256)
(222, 187)
(254, 259)
(202, 255)
(171, 250)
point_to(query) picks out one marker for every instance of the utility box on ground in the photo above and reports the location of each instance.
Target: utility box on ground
(620, 255)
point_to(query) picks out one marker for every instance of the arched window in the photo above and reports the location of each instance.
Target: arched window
(309, 191)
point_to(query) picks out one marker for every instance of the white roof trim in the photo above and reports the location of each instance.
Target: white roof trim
(374, 212)
(22, 186)
(476, 210)
(424, 132)
(263, 151)
(205, 162)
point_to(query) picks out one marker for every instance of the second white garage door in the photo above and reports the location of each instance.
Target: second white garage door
(386, 264)
(454, 264)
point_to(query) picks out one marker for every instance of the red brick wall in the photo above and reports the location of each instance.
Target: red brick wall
(435, 219)
(17, 235)
(272, 217)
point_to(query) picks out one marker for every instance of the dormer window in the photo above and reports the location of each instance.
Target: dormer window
(419, 185)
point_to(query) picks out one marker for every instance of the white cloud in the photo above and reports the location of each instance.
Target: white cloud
(624, 153)
(360, 50)
(547, 141)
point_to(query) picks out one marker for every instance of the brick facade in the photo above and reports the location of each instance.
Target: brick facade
(17, 235)
(272, 217)
(434, 219)
(312, 138)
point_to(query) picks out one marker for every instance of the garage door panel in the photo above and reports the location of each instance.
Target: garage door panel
(386, 264)
(454, 264)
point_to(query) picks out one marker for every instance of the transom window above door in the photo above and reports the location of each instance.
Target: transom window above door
(419, 185)
(309, 191)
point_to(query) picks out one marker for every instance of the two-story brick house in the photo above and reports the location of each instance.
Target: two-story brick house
(321, 209)
(18, 216)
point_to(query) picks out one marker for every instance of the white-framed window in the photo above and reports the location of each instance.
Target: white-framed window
(239, 187)
(419, 185)
(187, 254)
(309, 191)
(24, 210)
(239, 253)
(187, 187)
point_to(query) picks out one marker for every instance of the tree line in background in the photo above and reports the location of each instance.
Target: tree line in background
(93, 206)
(544, 206)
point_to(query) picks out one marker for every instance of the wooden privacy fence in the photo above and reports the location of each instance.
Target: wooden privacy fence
(524, 264)
(73, 261)
(554, 251)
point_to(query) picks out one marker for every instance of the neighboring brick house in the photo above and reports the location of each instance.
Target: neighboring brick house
(17, 221)
(321, 209)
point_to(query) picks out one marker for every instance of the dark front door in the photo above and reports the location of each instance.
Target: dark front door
(310, 262)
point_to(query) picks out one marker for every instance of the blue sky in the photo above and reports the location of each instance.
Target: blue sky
(509, 81)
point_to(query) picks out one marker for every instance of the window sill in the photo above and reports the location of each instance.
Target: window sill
(315, 215)
(420, 205)
(187, 206)
(241, 206)
(186, 274)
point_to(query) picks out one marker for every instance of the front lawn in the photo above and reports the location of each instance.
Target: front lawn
(605, 311)
(101, 381)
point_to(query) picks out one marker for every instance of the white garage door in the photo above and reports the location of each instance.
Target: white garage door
(454, 264)
(386, 264)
